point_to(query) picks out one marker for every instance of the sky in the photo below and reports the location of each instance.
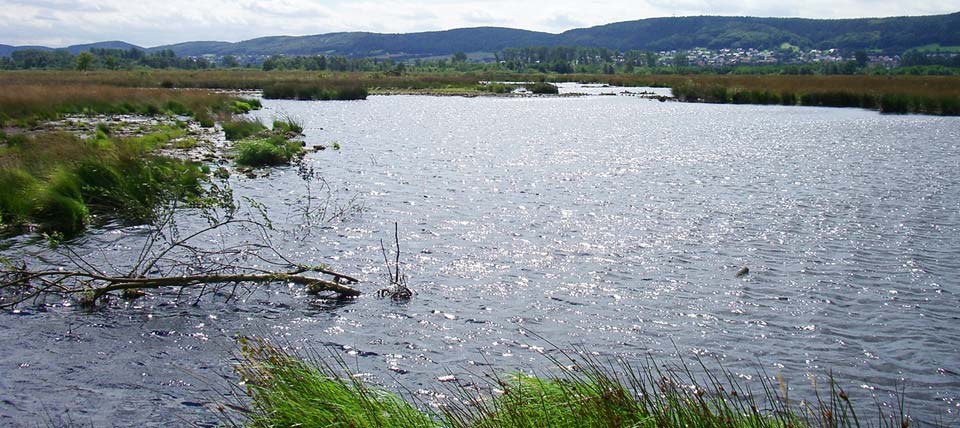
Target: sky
(148, 23)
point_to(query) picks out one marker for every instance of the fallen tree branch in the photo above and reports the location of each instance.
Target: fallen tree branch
(93, 287)
(226, 254)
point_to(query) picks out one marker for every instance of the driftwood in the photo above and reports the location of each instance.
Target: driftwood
(169, 260)
(92, 287)
(398, 289)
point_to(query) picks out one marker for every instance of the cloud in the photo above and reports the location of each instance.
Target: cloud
(152, 22)
(562, 21)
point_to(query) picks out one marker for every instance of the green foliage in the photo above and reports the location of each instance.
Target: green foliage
(59, 204)
(287, 126)
(315, 91)
(273, 150)
(498, 88)
(204, 119)
(84, 61)
(288, 392)
(542, 88)
(17, 191)
(239, 129)
(57, 181)
(850, 93)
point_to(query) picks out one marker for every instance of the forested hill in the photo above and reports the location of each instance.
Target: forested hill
(888, 34)
(891, 35)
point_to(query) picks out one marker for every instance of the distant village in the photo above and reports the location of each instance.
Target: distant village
(702, 57)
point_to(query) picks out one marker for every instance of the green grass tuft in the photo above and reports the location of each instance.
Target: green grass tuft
(273, 150)
(57, 181)
(286, 390)
(239, 129)
(288, 125)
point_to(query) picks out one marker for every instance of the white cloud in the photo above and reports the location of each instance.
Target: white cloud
(151, 23)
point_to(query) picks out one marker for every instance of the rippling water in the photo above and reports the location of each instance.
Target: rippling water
(614, 224)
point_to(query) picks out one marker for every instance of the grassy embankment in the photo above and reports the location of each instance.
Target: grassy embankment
(59, 181)
(285, 390)
(937, 95)
(889, 94)
(280, 84)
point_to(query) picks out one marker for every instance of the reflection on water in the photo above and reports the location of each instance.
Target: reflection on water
(615, 224)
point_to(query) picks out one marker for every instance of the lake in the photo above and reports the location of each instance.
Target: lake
(612, 224)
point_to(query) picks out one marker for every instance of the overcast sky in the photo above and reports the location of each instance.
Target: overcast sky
(148, 23)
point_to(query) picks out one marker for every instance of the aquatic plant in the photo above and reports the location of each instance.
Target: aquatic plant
(58, 180)
(322, 91)
(238, 129)
(287, 391)
(272, 150)
(498, 88)
(288, 126)
(888, 95)
(542, 88)
(25, 103)
(285, 388)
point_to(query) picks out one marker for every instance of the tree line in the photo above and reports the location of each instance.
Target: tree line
(538, 59)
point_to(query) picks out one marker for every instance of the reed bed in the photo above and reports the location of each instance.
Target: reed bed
(939, 95)
(284, 388)
(21, 104)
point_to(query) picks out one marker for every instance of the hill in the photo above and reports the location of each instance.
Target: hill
(115, 44)
(890, 35)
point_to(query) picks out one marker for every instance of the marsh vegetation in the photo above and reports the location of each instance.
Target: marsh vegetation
(285, 388)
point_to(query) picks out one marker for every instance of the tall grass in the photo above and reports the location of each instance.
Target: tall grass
(322, 91)
(924, 94)
(902, 94)
(267, 151)
(287, 392)
(285, 389)
(238, 129)
(57, 181)
(31, 102)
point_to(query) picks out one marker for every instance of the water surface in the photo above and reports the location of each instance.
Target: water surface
(613, 224)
